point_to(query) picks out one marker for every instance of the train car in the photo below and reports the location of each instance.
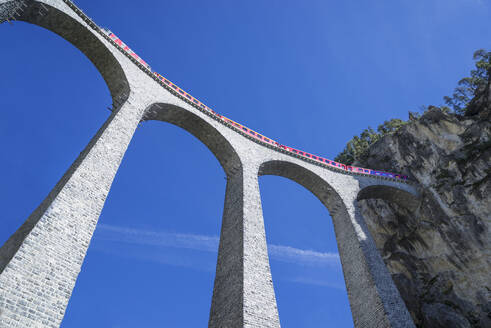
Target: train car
(125, 47)
(357, 169)
(382, 174)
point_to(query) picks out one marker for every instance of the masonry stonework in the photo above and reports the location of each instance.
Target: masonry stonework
(40, 263)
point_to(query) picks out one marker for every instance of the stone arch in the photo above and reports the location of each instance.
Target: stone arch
(202, 130)
(83, 38)
(331, 201)
(392, 194)
(374, 299)
(306, 178)
(228, 156)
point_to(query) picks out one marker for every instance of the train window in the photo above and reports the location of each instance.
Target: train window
(195, 101)
(166, 81)
(189, 97)
(172, 85)
(266, 139)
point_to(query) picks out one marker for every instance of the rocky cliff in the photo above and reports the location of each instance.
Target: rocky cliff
(440, 255)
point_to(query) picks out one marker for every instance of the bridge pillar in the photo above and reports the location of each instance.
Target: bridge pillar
(374, 299)
(40, 262)
(243, 295)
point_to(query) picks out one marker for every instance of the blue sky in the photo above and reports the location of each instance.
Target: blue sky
(310, 74)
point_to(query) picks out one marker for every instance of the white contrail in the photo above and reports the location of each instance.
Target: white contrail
(208, 244)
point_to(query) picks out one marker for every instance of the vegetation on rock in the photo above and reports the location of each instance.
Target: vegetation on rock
(459, 103)
(470, 87)
(438, 255)
(357, 147)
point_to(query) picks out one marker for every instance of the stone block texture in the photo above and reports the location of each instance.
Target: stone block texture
(40, 263)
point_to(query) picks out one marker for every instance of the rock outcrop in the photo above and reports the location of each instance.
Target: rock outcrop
(440, 255)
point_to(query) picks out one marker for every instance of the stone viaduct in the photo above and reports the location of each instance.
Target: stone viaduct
(40, 262)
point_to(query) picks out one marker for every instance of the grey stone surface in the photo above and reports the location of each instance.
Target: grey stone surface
(439, 255)
(243, 295)
(40, 263)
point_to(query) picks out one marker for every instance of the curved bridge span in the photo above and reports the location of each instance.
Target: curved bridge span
(54, 239)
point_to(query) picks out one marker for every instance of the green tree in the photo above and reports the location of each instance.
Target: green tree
(357, 147)
(469, 87)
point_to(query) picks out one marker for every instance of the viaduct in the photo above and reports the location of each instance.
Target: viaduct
(40, 262)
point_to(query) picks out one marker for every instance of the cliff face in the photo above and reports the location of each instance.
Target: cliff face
(440, 255)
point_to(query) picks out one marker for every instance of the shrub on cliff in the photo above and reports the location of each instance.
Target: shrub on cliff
(358, 146)
(470, 87)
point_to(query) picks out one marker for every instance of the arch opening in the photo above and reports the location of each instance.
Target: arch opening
(202, 130)
(42, 128)
(45, 122)
(390, 194)
(190, 189)
(390, 213)
(83, 39)
(306, 267)
(157, 238)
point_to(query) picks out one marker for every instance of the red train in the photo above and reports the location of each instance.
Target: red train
(245, 130)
